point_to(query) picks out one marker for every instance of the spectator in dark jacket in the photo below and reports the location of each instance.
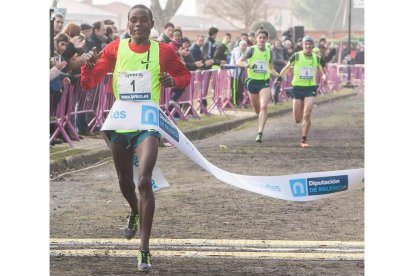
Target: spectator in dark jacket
(223, 50)
(98, 38)
(195, 49)
(209, 49)
(166, 36)
(278, 62)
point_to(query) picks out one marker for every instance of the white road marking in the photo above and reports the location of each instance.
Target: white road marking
(204, 248)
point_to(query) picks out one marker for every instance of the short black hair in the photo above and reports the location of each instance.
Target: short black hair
(108, 22)
(228, 34)
(212, 31)
(185, 39)
(179, 31)
(97, 25)
(244, 34)
(168, 24)
(141, 7)
(262, 31)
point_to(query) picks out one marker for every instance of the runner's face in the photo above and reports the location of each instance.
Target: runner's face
(307, 47)
(140, 24)
(261, 40)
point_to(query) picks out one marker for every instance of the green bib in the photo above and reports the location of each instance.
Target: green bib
(262, 61)
(129, 61)
(304, 70)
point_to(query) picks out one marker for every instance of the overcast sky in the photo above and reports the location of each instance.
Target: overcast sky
(188, 7)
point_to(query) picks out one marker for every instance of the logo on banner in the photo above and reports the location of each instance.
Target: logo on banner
(273, 188)
(318, 185)
(149, 115)
(298, 187)
(153, 116)
(117, 114)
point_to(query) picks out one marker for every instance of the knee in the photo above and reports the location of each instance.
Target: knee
(145, 184)
(298, 120)
(306, 116)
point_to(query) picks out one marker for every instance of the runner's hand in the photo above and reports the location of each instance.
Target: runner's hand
(166, 80)
(91, 58)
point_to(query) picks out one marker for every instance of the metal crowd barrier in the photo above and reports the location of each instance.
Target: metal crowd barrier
(209, 85)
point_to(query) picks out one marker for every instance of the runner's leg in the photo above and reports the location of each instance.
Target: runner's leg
(297, 110)
(264, 95)
(147, 151)
(307, 110)
(123, 161)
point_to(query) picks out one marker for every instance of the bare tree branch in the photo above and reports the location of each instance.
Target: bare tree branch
(162, 16)
(245, 12)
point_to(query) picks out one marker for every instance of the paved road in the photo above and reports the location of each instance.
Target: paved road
(204, 226)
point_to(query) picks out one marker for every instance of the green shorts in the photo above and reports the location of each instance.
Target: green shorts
(301, 92)
(254, 86)
(132, 138)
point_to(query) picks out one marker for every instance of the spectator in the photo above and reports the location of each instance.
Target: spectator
(154, 34)
(222, 50)
(288, 50)
(86, 30)
(288, 34)
(326, 53)
(195, 49)
(108, 33)
(125, 34)
(251, 39)
(209, 49)
(238, 73)
(73, 53)
(166, 36)
(175, 42)
(56, 83)
(298, 45)
(278, 62)
(189, 63)
(98, 38)
(56, 69)
(110, 23)
(188, 60)
(58, 20)
(360, 56)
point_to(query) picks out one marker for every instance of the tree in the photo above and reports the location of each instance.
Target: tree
(267, 26)
(327, 15)
(162, 16)
(241, 14)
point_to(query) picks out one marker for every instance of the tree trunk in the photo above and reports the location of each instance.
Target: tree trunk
(162, 16)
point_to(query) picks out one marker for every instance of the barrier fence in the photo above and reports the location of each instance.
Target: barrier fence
(208, 90)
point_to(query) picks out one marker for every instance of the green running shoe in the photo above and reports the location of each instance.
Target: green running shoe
(144, 261)
(130, 231)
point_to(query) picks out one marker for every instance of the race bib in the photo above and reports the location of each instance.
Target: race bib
(134, 85)
(260, 66)
(306, 73)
